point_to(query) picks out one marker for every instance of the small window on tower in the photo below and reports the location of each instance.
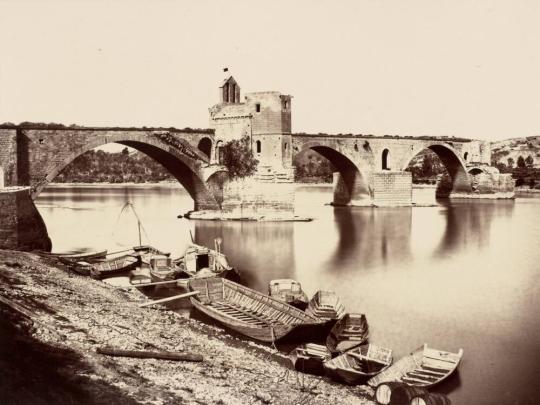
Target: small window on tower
(258, 107)
(258, 144)
(286, 104)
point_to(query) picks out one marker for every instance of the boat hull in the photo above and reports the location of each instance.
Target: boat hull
(251, 313)
(424, 368)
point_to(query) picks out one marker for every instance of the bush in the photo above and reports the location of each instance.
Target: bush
(238, 158)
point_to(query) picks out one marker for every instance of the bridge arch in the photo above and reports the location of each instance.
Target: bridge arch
(174, 157)
(352, 186)
(451, 160)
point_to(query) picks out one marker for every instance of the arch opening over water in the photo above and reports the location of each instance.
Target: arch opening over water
(351, 184)
(180, 167)
(439, 164)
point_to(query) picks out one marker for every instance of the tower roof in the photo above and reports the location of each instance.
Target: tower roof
(228, 79)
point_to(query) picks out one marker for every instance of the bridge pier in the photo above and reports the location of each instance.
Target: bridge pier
(21, 225)
(350, 188)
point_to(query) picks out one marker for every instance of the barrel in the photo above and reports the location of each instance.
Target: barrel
(403, 394)
(383, 392)
(432, 398)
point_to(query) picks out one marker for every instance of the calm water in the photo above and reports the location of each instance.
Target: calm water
(458, 275)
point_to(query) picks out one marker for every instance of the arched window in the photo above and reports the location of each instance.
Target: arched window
(219, 152)
(205, 146)
(385, 159)
(465, 156)
(258, 146)
(1, 177)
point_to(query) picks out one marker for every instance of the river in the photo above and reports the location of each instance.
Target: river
(459, 275)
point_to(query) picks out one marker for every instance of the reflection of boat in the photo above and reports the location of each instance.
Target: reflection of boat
(200, 261)
(350, 331)
(140, 275)
(113, 267)
(422, 368)
(309, 358)
(325, 305)
(161, 268)
(358, 364)
(248, 311)
(289, 291)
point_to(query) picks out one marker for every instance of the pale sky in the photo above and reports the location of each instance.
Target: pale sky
(463, 68)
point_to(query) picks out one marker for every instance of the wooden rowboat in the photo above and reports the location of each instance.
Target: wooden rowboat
(422, 368)
(359, 364)
(147, 249)
(326, 305)
(309, 358)
(114, 267)
(89, 257)
(289, 291)
(162, 269)
(350, 331)
(200, 261)
(250, 312)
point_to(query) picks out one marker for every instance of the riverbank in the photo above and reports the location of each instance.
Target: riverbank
(55, 321)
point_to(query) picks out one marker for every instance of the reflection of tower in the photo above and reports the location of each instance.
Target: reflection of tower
(372, 238)
(260, 251)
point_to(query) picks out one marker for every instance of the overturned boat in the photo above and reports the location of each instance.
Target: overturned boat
(350, 331)
(326, 305)
(424, 367)
(250, 312)
(359, 364)
(289, 291)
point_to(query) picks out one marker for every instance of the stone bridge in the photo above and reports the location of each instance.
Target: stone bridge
(373, 168)
(370, 169)
(34, 157)
(30, 158)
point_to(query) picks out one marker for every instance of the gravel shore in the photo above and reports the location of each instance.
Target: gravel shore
(52, 321)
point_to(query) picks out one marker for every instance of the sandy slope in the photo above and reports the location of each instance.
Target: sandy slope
(52, 359)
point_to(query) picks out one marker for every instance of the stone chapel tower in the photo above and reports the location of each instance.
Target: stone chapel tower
(264, 117)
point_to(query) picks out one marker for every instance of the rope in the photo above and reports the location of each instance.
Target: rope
(126, 205)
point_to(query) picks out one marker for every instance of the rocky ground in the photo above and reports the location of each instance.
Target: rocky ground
(52, 322)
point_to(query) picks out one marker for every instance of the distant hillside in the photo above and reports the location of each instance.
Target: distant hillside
(98, 166)
(509, 151)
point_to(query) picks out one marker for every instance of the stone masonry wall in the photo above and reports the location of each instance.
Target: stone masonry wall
(392, 188)
(8, 156)
(21, 225)
(248, 198)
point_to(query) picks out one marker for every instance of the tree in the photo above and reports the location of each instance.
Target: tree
(529, 162)
(520, 162)
(510, 163)
(125, 151)
(238, 158)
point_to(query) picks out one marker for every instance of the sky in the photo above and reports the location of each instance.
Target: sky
(462, 68)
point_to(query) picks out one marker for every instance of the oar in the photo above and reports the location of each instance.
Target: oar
(156, 283)
(174, 297)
